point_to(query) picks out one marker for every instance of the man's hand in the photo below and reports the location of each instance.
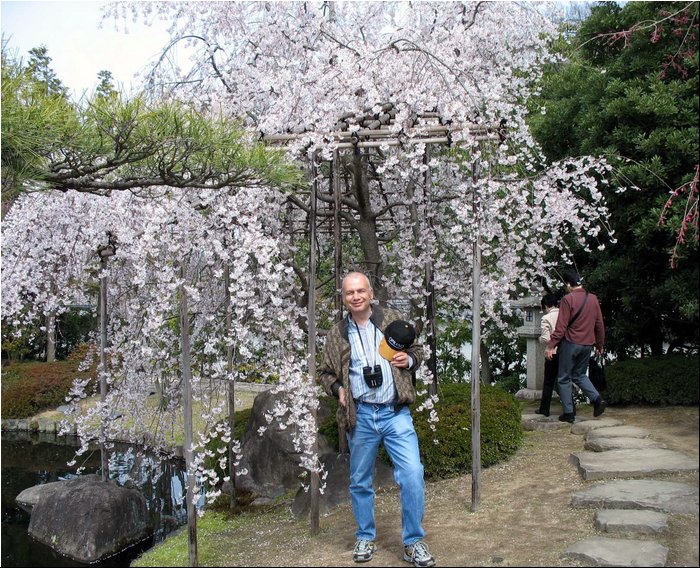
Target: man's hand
(342, 397)
(549, 353)
(400, 359)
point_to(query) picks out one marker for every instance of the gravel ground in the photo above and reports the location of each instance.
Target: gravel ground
(524, 517)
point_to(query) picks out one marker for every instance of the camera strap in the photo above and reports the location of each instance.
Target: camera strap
(362, 344)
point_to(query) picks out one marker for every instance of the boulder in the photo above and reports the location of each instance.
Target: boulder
(270, 460)
(32, 495)
(337, 484)
(87, 519)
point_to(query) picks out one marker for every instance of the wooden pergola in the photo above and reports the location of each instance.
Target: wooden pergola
(370, 129)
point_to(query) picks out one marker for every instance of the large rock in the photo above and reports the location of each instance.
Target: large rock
(88, 519)
(337, 484)
(32, 495)
(270, 460)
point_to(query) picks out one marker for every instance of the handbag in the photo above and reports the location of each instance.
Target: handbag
(596, 372)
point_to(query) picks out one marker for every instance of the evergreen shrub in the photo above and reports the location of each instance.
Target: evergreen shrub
(447, 452)
(665, 380)
(501, 429)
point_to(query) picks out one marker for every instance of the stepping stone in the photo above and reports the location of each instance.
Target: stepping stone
(648, 494)
(631, 463)
(533, 422)
(602, 551)
(631, 521)
(586, 425)
(618, 432)
(602, 444)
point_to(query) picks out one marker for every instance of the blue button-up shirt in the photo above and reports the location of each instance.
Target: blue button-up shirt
(371, 337)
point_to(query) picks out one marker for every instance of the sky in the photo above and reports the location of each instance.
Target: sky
(78, 47)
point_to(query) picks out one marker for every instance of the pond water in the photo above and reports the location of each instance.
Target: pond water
(29, 459)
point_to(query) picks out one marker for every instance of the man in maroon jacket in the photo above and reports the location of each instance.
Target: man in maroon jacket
(579, 329)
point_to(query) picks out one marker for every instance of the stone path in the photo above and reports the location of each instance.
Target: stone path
(631, 505)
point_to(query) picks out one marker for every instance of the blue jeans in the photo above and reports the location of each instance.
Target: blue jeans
(378, 423)
(573, 366)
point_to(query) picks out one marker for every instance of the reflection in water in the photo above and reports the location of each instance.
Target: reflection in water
(29, 459)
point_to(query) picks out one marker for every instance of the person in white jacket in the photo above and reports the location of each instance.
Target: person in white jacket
(550, 308)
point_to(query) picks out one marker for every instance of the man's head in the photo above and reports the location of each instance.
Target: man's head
(571, 278)
(357, 294)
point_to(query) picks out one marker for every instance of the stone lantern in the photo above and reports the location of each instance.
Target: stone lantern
(531, 330)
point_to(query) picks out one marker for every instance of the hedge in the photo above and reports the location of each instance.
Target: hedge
(446, 452)
(665, 380)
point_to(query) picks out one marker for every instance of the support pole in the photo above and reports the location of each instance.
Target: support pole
(429, 287)
(103, 370)
(476, 342)
(337, 234)
(230, 388)
(342, 440)
(311, 316)
(104, 252)
(186, 363)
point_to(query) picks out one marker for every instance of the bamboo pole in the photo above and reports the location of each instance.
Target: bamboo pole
(186, 364)
(103, 370)
(230, 388)
(476, 342)
(315, 481)
(104, 252)
(430, 288)
(337, 234)
(487, 131)
(342, 440)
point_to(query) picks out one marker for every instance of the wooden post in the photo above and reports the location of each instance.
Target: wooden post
(186, 363)
(342, 440)
(476, 342)
(230, 389)
(103, 368)
(311, 317)
(429, 287)
(104, 252)
(337, 234)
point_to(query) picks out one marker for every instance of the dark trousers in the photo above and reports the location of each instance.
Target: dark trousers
(551, 368)
(573, 370)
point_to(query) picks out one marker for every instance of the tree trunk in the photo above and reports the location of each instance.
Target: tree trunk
(50, 337)
(367, 227)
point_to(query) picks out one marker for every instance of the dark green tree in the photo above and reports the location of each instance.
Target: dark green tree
(39, 70)
(629, 89)
(105, 88)
(111, 142)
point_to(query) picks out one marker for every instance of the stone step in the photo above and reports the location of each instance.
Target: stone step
(647, 494)
(631, 463)
(631, 521)
(603, 551)
(602, 444)
(618, 432)
(585, 425)
(532, 421)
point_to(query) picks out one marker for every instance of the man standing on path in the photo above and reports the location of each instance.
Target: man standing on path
(374, 393)
(579, 329)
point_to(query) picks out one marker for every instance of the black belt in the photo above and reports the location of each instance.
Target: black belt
(358, 401)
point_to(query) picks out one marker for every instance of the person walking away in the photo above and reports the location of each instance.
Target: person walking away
(579, 330)
(550, 307)
(374, 396)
